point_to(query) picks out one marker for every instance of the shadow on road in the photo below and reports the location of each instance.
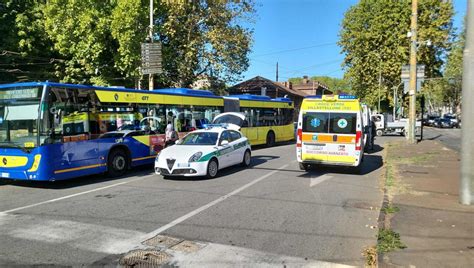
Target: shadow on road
(370, 164)
(377, 148)
(256, 161)
(80, 181)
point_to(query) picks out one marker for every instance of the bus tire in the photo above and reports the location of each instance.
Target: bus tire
(247, 158)
(379, 132)
(212, 168)
(270, 139)
(117, 163)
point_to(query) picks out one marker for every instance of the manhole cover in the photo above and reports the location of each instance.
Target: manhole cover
(162, 241)
(186, 246)
(144, 258)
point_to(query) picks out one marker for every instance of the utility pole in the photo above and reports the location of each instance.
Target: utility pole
(277, 73)
(412, 91)
(380, 80)
(151, 84)
(467, 146)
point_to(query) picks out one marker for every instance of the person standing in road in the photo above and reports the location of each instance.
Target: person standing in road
(373, 133)
(170, 135)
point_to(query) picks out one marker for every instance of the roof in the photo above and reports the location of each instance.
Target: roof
(258, 82)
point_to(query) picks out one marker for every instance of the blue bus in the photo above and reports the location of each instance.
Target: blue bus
(54, 131)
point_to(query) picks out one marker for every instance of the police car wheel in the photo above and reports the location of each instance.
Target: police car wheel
(247, 159)
(212, 168)
(117, 163)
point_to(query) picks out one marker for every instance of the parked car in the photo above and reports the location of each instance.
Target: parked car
(443, 123)
(203, 152)
(454, 120)
(430, 120)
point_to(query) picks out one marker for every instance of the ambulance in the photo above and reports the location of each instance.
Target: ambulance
(330, 132)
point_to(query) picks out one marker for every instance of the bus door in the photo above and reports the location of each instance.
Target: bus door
(78, 150)
(343, 128)
(314, 135)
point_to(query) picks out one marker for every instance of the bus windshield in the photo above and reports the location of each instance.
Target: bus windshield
(19, 108)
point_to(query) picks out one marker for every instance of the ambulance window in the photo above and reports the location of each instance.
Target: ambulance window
(343, 123)
(315, 122)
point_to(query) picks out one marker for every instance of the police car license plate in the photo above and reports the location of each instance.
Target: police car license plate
(183, 164)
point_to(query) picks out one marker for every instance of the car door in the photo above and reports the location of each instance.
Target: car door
(224, 150)
(238, 147)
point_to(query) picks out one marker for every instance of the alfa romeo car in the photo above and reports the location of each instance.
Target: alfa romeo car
(203, 152)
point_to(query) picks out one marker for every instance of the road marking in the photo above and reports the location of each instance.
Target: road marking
(213, 203)
(319, 179)
(72, 195)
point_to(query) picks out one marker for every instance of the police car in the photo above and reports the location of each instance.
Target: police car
(203, 152)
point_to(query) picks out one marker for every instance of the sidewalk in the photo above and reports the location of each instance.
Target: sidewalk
(421, 187)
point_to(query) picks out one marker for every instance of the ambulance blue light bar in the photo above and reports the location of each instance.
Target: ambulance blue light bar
(347, 97)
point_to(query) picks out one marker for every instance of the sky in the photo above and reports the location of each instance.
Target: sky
(301, 35)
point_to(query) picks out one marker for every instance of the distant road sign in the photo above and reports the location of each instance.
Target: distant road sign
(420, 77)
(151, 58)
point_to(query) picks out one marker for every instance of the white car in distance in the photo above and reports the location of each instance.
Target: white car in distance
(203, 152)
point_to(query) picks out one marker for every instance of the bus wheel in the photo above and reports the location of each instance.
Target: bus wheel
(379, 132)
(270, 139)
(117, 163)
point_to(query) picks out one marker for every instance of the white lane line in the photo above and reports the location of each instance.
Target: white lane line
(201, 209)
(318, 180)
(72, 195)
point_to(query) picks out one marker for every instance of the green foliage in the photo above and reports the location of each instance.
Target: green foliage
(100, 40)
(388, 240)
(334, 84)
(390, 209)
(373, 39)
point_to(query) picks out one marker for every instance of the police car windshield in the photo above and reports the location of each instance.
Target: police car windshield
(200, 138)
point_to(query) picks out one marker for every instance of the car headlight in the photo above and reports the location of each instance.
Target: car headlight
(157, 157)
(195, 157)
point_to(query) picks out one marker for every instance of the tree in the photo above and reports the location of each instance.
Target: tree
(334, 84)
(26, 50)
(101, 39)
(374, 40)
(203, 37)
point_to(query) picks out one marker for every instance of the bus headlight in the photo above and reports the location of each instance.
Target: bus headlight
(195, 157)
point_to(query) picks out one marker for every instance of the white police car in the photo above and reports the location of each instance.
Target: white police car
(203, 152)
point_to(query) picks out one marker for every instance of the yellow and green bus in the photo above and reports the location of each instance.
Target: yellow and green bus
(55, 131)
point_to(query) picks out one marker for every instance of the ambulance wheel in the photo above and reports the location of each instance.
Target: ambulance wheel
(304, 167)
(379, 132)
(117, 163)
(212, 168)
(358, 169)
(270, 139)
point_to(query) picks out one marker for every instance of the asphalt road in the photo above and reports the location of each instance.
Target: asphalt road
(450, 137)
(270, 213)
